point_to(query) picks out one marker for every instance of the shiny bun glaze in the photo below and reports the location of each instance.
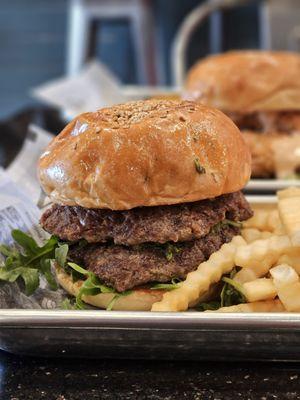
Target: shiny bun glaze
(246, 81)
(145, 153)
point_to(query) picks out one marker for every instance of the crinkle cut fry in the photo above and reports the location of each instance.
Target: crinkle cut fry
(289, 211)
(252, 234)
(261, 255)
(260, 289)
(198, 282)
(258, 306)
(291, 259)
(264, 220)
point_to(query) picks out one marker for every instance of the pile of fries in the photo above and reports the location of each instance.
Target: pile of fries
(268, 255)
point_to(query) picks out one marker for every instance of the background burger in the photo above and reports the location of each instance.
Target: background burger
(143, 193)
(260, 92)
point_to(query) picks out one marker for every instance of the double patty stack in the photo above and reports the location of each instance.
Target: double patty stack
(154, 244)
(152, 187)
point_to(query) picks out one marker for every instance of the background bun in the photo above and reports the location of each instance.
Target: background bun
(246, 81)
(261, 148)
(145, 153)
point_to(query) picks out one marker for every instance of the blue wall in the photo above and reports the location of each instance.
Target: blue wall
(32, 46)
(32, 43)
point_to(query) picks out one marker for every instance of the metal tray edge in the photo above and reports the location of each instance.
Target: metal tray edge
(126, 319)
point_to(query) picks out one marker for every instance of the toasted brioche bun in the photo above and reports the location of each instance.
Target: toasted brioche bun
(143, 154)
(138, 300)
(246, 81)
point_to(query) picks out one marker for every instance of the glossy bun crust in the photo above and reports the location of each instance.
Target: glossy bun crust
(246, 81)
(145, 153)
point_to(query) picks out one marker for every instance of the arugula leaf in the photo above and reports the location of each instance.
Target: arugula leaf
(91, 285)
(45, 265)
(47, 249)
(212, 305)
(25, 241)
(7, 251)
(115, 298)
(166, 286)
(112, 303)
(170, 250)
(28, 261)
(236, 224)
(61, 253)
(10, 275)
(79, 304)
(232, 292)
(79, 269)
(216, 228)
(30, 277)
(233, 283)
(31, 280)
(66, 304)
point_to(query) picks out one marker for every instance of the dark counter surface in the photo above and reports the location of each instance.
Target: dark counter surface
(75, 379)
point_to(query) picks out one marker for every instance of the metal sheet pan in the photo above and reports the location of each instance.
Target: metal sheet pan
(189, 335)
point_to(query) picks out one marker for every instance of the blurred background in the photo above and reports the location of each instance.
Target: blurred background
(42, 40)
(34, 41)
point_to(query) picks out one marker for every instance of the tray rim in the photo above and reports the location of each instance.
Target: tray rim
(270, 184)
(155, 320)
(54, 318)
(253, 199)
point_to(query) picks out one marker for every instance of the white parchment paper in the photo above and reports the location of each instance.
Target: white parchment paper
(23, 169)
(95, 87)
(18, 211)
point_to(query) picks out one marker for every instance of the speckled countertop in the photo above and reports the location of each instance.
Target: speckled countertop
(27, 378)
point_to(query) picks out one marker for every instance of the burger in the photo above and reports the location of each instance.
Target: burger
(143, 192)
(260, 92)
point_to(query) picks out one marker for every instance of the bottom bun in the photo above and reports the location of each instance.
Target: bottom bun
(139, 299)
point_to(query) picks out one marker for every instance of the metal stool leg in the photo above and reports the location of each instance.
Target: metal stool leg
(78, 37)
(139, 15)
(143, 40)
(187, 28)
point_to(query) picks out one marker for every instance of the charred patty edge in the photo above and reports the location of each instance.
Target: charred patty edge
(161, 224)
(125, 268)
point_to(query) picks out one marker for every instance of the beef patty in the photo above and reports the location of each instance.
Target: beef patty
(124, 268)
(176, 223)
